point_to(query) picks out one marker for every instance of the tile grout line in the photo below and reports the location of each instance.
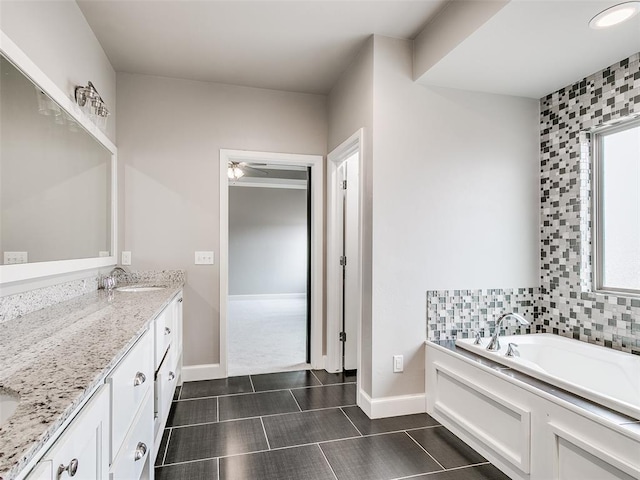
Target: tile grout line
(252, 386)
(436, 472)
(265, 433)
(424, 450)
(295, 400)
(237, 394)
(166, 447)
(217, 409)
(327, 460)
(350, 421)
(321, 383)
(180, 394)
(218, 467)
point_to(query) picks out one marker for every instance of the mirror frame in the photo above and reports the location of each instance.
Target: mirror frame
(30, 271)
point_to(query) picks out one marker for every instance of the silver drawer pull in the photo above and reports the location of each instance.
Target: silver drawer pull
(167, 331)
(139, 379)
(71, 469)
(171, 376)
(141, 451)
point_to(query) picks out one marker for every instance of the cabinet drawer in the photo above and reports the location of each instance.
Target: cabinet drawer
(81, 451)
(166, 381)
(42, 471)
(137, 446)
(164, 332)
(130, 381)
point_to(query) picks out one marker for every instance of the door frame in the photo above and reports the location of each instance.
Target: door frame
(317, 212)
(341, 153)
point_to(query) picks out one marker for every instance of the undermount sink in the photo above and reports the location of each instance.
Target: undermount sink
(139, 288)
(8, 404)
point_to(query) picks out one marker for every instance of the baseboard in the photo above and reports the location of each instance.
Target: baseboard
(268, 296)
(391, 406)
(193, 373)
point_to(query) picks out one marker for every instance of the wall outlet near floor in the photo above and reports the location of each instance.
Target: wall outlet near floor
(11, 258)
(204, 258)
(398, 363)
(126, 258)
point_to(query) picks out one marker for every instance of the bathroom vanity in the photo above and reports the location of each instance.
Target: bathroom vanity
(95, 377)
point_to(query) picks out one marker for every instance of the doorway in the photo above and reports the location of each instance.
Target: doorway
(269, 269)
(344, 272)
(312, 164)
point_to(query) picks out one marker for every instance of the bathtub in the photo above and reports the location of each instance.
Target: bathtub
(602, 375)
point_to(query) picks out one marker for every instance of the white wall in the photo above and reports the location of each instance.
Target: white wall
(170, 133)
(267, 241)
(57, 38)
(350, 107)
(455, 206)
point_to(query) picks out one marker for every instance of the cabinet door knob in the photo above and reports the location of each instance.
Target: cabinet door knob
(139, 379)
(141, 451)
(180, 300)
(71, 469)
(167, 331)
(171, 376)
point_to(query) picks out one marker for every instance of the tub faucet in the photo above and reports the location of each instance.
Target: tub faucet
(494, 344)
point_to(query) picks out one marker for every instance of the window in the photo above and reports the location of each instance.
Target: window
(616, 194)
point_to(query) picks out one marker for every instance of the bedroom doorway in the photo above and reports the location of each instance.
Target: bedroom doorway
(310, 307)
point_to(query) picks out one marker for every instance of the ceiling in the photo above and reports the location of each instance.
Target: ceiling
(528, 48)
(532, 48)
(299, 46)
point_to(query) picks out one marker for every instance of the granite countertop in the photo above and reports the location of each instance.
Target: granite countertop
(56, 357)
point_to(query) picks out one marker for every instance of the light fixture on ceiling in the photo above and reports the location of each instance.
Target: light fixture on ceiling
(234, 172)
(614, 15)
(90, 95)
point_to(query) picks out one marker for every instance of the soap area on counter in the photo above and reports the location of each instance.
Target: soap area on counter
(90, 381)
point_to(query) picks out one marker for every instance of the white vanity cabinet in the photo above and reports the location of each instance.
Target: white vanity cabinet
(81, 452)
(168, 331)
(116, 434)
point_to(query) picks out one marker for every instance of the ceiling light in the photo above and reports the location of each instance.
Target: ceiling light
(615, 15)
(234, 172)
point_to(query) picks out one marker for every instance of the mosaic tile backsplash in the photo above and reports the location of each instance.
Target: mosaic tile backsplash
(564, 304)
(454, 314)
(567, 306)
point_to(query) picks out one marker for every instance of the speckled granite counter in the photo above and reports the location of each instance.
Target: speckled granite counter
(55, 357)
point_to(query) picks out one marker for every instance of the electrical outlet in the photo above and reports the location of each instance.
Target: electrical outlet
(11, 258)
(204, 258)
(126, 258)
(398, 363)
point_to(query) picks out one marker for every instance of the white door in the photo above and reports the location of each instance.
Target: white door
(348, 211)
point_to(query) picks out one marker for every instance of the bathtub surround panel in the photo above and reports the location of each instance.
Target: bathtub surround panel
(567, 304)
(454, 314)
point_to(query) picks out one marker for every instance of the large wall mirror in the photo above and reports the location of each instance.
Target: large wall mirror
(57, 176)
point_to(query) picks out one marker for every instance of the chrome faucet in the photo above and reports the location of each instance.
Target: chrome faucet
(494, 344)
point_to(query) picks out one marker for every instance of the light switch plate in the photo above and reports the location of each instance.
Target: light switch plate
(11, 258)
(126, 258)
(204, 258)
(398, 363)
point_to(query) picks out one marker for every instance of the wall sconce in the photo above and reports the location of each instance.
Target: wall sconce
(90, 94)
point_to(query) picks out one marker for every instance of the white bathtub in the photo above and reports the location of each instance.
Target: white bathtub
(603, 375)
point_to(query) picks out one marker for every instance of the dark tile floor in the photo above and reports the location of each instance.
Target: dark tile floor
(303, 426)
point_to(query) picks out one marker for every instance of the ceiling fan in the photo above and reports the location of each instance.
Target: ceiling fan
(236, 170)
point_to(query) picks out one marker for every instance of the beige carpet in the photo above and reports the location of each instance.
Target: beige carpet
(266, 335)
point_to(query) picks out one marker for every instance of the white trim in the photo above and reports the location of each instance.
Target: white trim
(355, 143)
(268, 296)
(317, 270)
(391, 406)
(255, 182)
(194, 373)
(26, 271)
